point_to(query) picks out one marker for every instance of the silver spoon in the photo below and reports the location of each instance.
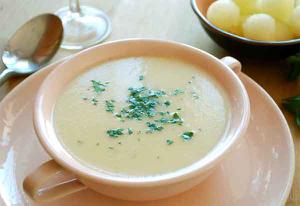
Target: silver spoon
(31, 46)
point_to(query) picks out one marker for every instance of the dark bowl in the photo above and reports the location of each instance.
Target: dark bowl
(241, 46)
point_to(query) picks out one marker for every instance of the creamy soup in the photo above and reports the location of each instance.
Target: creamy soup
(141, 116)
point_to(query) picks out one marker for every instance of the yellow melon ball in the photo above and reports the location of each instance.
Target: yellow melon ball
(247, 6)
(238, 30)
(295, 21)
(283, 32)
(279, 9)
(224, 14)
(259, 27)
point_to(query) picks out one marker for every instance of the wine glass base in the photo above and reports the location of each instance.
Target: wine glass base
(81, 30)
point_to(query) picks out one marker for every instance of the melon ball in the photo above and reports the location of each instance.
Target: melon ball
(283, 32)
(224, 14)
(279, 9)
(247, 6)
(259, 27)
(238, 30)
(295, 21)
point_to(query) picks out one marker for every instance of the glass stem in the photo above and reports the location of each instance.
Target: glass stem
(74, 6)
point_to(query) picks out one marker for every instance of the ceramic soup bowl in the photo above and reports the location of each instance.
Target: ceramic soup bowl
(65, 175)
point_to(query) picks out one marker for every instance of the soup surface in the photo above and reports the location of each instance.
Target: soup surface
(141, 116)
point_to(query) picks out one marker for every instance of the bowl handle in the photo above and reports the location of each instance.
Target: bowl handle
(40, 187)
(233, 63)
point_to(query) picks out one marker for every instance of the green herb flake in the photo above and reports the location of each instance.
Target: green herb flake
(142, 103)
(98, 86)
(109, 104)
(79, 142)
(169, 141)
(114, 133)
(177, 92)
(97, 143)
(94, 101)
(110, 148)
(84, 98)
(118, 115)
(178, 109)
(162, 113)
(195, 95)
(176, 119)
(187, 136)
(153, 127)
(119, 143)
(167, 103)
(141, 77)
(130, 131)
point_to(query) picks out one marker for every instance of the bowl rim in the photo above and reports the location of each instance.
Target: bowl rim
(237, 37)
(86, 173)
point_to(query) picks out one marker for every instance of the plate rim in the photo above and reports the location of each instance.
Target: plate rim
(290, 139)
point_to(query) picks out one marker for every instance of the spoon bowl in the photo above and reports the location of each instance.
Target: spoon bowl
(34, 44)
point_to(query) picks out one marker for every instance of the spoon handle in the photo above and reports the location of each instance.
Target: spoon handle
(6, 73)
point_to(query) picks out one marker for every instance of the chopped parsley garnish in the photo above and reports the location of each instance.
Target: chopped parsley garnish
(142, 103)
(177, 91)
(110, 105)
(110, 148)
(141, 77)
(118, 115)
(163, 113)
(98, 86)
(167, 103)
(79, 142)
(153, 127)
(175, 119)
(84, 98)
(130, 131)
(187, 136)
(94, 101)
(169, 141)
(114, 133)
(195, 95)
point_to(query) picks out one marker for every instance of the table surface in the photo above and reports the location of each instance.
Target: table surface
(163, 19)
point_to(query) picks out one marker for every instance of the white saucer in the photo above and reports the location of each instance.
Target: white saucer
(258, 172)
